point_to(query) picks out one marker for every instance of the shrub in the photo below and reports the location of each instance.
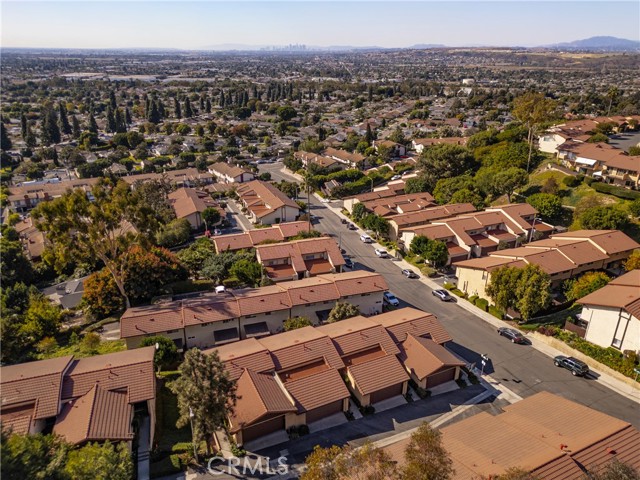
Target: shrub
(496, 312)
(473, 299)
(422, 393)
(188, 286)
(571, 181)
(237, 451)
(449, 286)
(459, 293)
(589, 180)
(231, 282)
(482, 304)
(619, 192)
(461, 383)
(349, 416)
(367, 410)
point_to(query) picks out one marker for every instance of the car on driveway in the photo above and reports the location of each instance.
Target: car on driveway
(343, 221)
(512, 334)
(381, 252)
(390, 299)
(348, 262)
(443, 295)
(410, 273)
(575, 366)
(351, 226)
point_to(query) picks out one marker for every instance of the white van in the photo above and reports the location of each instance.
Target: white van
(366, 238)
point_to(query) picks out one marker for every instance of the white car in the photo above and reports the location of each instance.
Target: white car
(325, 200)
(396, 177)
(381, 252)
(390, 299)
(365, 238)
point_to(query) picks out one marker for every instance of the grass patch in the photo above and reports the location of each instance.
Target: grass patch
(188, 286)
(167, 433)
(77, 350)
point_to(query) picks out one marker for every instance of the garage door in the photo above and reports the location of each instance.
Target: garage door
(263, 428)
(441, 377)
(387, 392)
(324, 411)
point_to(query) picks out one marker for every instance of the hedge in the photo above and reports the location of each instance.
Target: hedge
(496, 312)
(610, 357)
(619, 192)
(473, 299)
(571, 181)
(482, 304)
(188, 286)
(459, 293)
(167, 466)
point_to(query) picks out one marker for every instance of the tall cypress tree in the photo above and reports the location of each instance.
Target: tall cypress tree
(188, 112)
(111, 120)
(154, 114)
(5, 141)
(222, 98)
(23, 126)
(208, 106)
(75, 126)
(161, 109)
(127, 116)
(50, 130)
(176, 108)
(93, 125)
(30, 138)
(202, 102)
(121, 123)
(65, 126)
(112, 100)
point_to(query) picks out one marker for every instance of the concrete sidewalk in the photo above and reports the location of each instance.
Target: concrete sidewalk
(629, 389)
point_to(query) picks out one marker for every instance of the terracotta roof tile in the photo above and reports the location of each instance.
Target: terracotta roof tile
(245, 354)
(358, 282)
(358, 333)
(317, 390)
(379, 373)
(96, 416)
(425, 357)
(405, 321)
(150, 319)
(34, 382)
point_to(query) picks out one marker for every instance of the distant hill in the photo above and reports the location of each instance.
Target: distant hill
(600, 44)
(418, 46)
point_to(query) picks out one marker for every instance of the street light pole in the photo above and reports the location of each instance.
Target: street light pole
(193, 440)
(483, 362)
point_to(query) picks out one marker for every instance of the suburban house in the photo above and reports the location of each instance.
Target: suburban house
(189, 203)
(251, 238)
(226, 173)
(389, 202)
(352, 160)
(623, 171)
(419, 144)
(612, 313)
(429, 363)
(310, 158)
(300, 258)
(544, 434)
(562, 256)
(185, 177)
(370, 359)
(404, 222)
(25, 197)
(264, 204)
(83, 400)
(395, 149)
(476, 234)
(588, 158)
(305, 375)
(33, 240)
(216, 319)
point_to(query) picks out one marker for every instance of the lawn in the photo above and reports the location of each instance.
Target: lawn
(77, 350)
(167, 415)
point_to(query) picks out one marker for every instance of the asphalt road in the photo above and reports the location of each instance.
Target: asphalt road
(520, 368)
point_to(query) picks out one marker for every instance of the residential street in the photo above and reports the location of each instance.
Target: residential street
(520, 368)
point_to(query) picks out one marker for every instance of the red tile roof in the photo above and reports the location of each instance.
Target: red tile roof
(405, 321)
(424, 357)
(245, 354)
(317, 390)
(376, 374)
(358, 333)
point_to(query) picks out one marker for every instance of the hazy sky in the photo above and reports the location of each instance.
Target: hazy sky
(199, 24)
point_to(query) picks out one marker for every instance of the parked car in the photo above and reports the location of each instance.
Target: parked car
(216, 232)
(343, 221)
(396, 177)
(390, 299)
(410, 273)
(325, 200)
(348, 263)
(381, 252)
(365, 238)
(575, 366)
(443, 295)
(351, 226)
(514, 335)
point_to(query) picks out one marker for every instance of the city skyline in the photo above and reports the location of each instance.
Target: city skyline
(208, 25)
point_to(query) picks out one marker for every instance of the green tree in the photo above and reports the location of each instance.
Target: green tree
(188, 110)
(446, 187)
(5, 141)
(174, 233)
(377, 224)
(38, 457)
(177, 109)
(64, 126)
(358, 211)
(533, 291)
(419, 245)
(613, 470)
(166, 354)
(532, 109)
(50, 131)
(598, 138)
(587, 283)
(286, 113)
(503, 287)
(633, 262)
(295, 323)
(634, 207)
(248, 272)
(418, 184)
(547, 204)
(101, 295)
(425, 456)
(604, 218)
(82, 229)
(206, 395)
(468, 196)
(14, 265)
(444, 161)
(507, 181)
(342, 311)
(96, 461)
(211, 216)
(349, 463)
(42, 318)
(437, 253)
(93, 125)
(194, 256)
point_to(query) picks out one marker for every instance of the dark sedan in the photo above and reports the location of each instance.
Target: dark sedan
(514, 335)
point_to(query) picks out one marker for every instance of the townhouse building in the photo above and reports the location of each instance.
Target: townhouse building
(264, 204)
(252, 238)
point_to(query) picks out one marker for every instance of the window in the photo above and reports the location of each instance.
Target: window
(172, 331)
(268, 313)
(249, 316)
(228, 320)
(365, 294)
(616, 343)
